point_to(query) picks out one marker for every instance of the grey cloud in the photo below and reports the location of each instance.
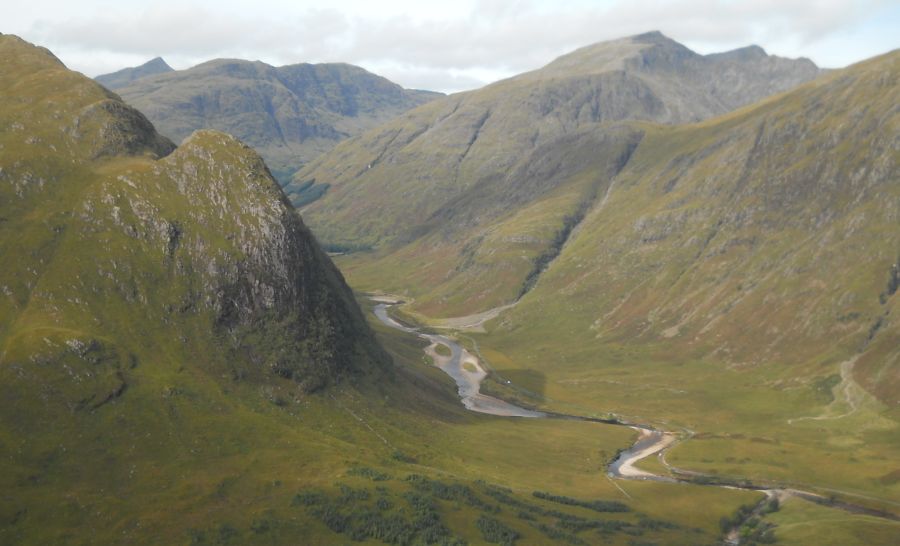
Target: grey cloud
(431, 78)
(495, 37)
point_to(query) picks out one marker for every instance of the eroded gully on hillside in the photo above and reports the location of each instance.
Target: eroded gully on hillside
(468, 373)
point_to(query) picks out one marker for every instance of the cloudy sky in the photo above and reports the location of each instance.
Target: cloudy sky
(446, 45)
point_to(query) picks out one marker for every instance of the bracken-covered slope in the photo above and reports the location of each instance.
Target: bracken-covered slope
(127, 76)
(487, 181)
(290, 114)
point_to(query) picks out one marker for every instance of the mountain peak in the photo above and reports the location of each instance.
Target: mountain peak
(157, 63)
(652, 53)
(654, 36)
(232, 68)
(647, 50)
(124, 77)
(25, 52)
(747, 53)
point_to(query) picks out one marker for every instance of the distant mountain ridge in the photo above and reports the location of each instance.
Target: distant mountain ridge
(126, 76)
(289, 114)
(690, 86)
(467, 194)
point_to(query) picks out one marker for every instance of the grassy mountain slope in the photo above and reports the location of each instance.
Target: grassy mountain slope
(489, 180)
(127, 76)
(736, 277)
(290, 114)
(775, 223)
(201, 236)
(165, 322)
(740, 281)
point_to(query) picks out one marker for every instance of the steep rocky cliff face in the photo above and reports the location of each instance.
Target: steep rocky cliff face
(442, 187)
(290, 114)
(121, 251)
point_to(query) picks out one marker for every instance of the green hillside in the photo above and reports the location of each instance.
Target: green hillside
(181, 364)
(737, 279)
(201, 237)
(734, 278)
(741, 278)
(764, 238)
(463, 199)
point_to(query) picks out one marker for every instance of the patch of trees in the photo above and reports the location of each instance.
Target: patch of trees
(414, 516)
(596, 505)
(567, 525)
(747, 519)
(557, 535)
(366, 472)
(308, 192)
(495, 532)
(756, 531)
(727, 523)
(451, 492)
(349, 514)
(823, 387)
(403, 457)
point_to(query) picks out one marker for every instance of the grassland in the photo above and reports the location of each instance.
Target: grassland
(799, 523)
(186, 456)
(742, 426)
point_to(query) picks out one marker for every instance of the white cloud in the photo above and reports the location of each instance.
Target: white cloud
(440, 45)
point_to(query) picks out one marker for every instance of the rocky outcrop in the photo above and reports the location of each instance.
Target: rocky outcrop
(116, 239)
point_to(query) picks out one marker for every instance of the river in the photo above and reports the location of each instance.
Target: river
(468, 381)
(468, 373)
